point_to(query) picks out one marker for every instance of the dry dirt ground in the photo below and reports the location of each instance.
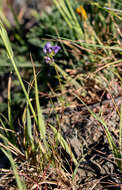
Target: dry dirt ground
(97, 169)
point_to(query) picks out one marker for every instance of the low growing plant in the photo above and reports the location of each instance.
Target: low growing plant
(35, 138)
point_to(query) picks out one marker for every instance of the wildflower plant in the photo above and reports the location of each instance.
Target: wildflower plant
(31, 152)
(38, 148)
(50, 52)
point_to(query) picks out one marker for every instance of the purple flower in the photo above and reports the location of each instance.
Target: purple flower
(50, 51)
(49, 60)
(56, 48)
(47, 48)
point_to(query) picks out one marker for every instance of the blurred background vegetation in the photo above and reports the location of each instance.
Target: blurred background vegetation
(29, 28)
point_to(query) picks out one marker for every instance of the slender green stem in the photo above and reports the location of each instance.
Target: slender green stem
(67, 77)
(9, 50)
(24, 90)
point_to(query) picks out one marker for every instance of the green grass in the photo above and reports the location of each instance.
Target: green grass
(90, 51)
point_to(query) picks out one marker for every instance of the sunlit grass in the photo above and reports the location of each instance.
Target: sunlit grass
(32, 145)
(36, 150)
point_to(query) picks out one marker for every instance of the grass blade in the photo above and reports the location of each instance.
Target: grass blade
(63, 143)
(20, 185)
(111, 142)
(41, 123)
(5, 39)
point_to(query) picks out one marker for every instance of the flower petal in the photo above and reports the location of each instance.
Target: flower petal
(47, 48)
(56, 48)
